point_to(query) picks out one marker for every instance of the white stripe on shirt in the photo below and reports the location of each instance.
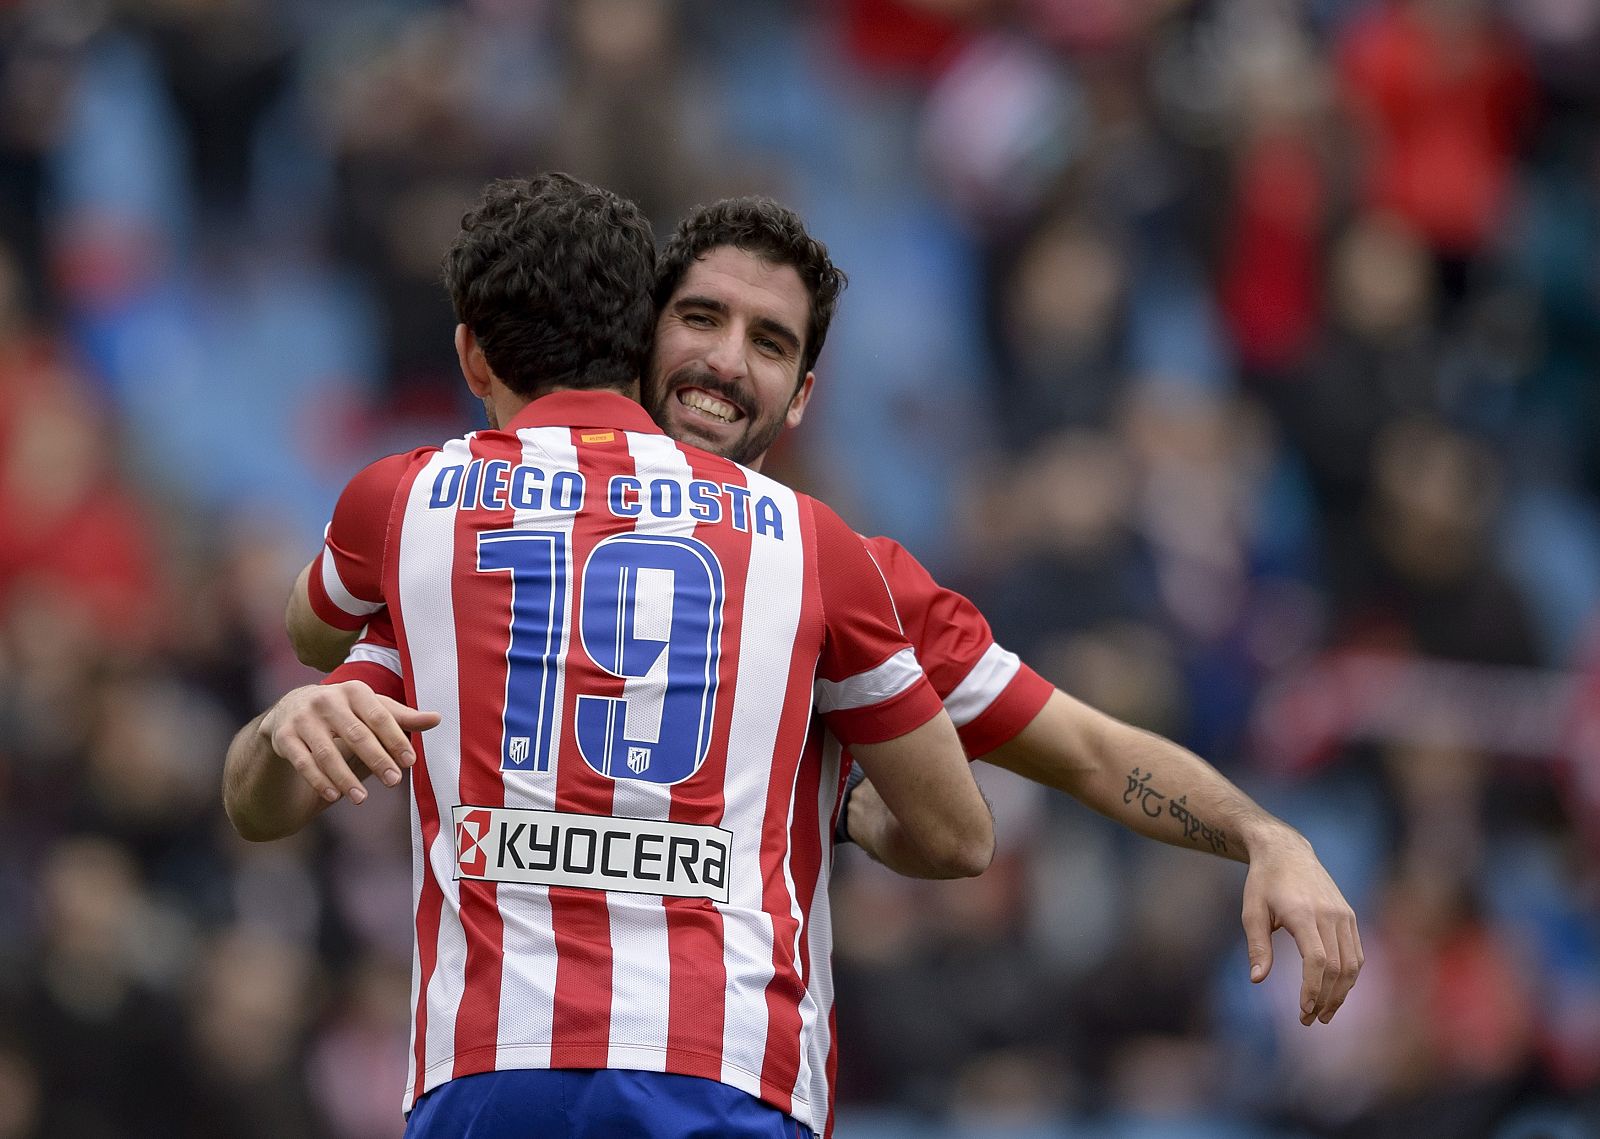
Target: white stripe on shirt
(995, 669)
(874, 686)
(333, 586)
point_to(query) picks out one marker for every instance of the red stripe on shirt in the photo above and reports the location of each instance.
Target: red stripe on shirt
(805, 844)
(430, 908)
(482, 641)
(430, 898)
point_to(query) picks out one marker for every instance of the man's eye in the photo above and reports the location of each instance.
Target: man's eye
(698, 319)
(771, 347)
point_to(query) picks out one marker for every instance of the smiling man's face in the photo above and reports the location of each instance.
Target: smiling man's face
(724, 374)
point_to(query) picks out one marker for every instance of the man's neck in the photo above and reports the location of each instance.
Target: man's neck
(502, 405)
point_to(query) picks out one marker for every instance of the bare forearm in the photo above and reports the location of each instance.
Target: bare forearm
(1165, 792)
(1158, 789)
(880, 834)
(936, 824)
(264, 796)
(1146, 783)
(316, 644)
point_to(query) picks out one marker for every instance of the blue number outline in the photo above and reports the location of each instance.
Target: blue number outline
(526, 612)
(710, 657)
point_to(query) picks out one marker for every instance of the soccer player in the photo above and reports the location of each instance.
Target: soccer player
(719, 377)
(621, 816)
(716, 379)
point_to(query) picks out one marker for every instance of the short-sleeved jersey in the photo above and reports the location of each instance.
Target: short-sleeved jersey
(990, 694)
(621, 824)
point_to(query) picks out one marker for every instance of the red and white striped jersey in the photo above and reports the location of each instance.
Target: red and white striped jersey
(621, 824)
(990, 694)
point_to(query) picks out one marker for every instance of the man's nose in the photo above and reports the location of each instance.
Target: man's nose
(725, 356)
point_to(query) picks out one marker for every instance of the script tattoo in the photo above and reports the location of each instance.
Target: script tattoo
(1150, 800)
(1139, 788)
(1194, 829)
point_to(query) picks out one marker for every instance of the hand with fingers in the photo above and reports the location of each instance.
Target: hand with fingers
(329, 731)
(1287, 888)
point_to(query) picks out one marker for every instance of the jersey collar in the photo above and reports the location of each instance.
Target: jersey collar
(572, 408)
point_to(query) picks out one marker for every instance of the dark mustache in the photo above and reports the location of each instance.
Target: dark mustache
(722, 389)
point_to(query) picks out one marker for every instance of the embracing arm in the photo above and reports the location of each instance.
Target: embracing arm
(311, 748)
(937, 824)
(1014, 718)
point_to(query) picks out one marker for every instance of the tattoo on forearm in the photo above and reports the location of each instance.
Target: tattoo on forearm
(1194, 829)
(1139, 788)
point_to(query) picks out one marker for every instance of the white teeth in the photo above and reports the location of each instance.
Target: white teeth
(712, 406)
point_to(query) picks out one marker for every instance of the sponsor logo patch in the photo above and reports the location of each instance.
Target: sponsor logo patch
(472, 831)
(593, 852)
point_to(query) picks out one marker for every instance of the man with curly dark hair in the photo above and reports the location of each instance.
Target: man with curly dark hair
(620, 812)
(549, 279)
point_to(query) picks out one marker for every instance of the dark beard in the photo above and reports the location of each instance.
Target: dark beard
(758, 436)
(756, 442)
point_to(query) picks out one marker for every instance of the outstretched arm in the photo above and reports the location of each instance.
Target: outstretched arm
(1160, 790)
(1013, 717)
(1153, 786)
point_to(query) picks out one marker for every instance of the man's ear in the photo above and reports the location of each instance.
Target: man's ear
(473, 364)
(797, 405)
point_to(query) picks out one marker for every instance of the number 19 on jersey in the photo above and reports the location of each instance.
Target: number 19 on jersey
(650, 615)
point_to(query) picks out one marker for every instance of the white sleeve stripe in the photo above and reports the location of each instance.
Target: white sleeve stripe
(333, 586)
(971, 698)
(874, 686)
(376, 654)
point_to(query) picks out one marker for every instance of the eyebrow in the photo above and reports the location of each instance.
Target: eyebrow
(761, 323)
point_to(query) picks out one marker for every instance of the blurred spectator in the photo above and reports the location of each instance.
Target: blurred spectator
(1064, 319)
(108, 1044)
(72, 528)
(636, 117)
(39, 56)
(1442, 93)
(247, 1027)
(225, 65)
(1422, 578)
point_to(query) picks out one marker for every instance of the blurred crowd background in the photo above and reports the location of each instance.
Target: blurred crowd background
(1238, 357)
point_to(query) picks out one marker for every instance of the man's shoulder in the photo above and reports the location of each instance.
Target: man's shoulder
(384, 475)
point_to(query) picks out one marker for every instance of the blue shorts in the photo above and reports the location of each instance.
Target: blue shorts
(586, 1104)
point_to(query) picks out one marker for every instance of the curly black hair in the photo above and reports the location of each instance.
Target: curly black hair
(553, 277)
(770, 231)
